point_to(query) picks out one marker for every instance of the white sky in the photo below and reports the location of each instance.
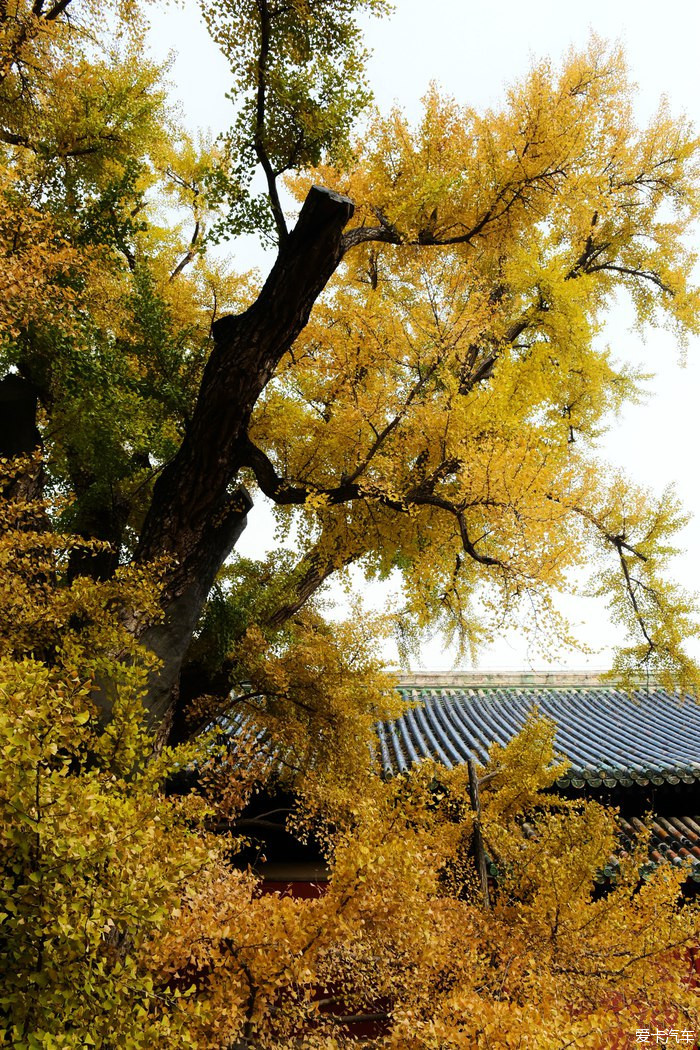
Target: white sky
(473, 52)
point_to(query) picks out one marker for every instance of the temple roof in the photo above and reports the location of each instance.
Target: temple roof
(611, 736)
(614, 738)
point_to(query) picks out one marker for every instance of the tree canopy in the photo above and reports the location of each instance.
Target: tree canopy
(127, 918)
(417, 386)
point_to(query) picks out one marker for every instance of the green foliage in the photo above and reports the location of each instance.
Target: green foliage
(298, 83)
(93, 858)
(123, 922)
(437, 415)
(92, 855)
(247, 593)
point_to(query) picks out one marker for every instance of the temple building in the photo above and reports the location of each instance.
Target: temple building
(639, 751)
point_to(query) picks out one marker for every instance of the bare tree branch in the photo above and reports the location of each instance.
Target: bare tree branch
(259, 140)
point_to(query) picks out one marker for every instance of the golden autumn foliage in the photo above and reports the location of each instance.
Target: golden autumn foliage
(402, 926)
(92, 854)
(418, 389)
(454, 380)
(124, 920)
(436, 416)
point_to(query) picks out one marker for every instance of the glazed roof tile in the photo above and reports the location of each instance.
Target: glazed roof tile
(610, 736)
(673, 839)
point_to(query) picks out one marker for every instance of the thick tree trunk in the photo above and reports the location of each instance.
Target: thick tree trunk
(194, 520)
(19, 436)
(170, 638)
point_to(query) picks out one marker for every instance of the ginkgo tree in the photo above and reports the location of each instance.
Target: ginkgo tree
(127, 918)
(417, 385)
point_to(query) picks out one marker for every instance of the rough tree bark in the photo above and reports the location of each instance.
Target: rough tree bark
(20, 437)
(196, 517)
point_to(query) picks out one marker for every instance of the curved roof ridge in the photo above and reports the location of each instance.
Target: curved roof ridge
(506, 679)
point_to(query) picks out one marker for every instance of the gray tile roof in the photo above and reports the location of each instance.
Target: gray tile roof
(610, 736)
(674, 839)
